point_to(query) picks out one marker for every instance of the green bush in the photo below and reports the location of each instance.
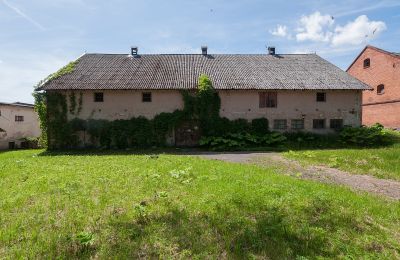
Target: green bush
(259, 126)
(365, 136)
(233, 141)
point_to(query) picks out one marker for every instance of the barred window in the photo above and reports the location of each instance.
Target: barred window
(19, 118)
(98, 97)
(297, 124)
(319, 123)
(146, 97)
(336, 123)
(321, 96)
(268, 99)
(280, 124)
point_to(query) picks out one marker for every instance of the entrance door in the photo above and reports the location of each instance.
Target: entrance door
(187, 134)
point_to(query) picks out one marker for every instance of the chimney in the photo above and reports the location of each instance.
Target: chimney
(204, 50)
(271, 50)
(134, 51)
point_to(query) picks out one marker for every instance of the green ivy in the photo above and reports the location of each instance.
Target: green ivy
(201, 106)
(72, 102)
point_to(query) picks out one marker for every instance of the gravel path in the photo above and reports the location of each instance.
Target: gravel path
(388, 188)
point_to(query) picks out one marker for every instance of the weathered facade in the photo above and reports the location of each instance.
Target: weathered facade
(294, 92)
(381, 70)
(17, 121)
(235, 104)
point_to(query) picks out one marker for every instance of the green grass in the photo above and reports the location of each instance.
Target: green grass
(382, 162)
(170, 206)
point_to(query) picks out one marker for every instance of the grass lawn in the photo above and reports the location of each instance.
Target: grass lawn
(170, 206)
(383, 163)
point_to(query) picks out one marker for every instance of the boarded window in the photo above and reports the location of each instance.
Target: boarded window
(268, 99)
(321, 96)
(297, 124)
(367, 63)
(19, 118)
(380, 89)
(98, 97)
(146, 97)
(280, 124)
(319, 123)
(336, 123)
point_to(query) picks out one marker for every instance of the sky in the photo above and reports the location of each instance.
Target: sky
(37, 37)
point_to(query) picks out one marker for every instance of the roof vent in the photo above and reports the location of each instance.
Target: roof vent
(271, 50)
(204, 50)
(134, 51)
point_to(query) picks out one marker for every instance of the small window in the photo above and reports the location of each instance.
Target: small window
(268, 99)
(380, 90)
(280, 124)
(336, 123)
(321, 96)
(98, 97)
(367, 63)
(146, 97)
(297, 124)
(19, 118)
(319, 123)
(11, 145)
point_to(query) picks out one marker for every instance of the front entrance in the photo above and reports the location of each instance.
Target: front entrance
(187, 134)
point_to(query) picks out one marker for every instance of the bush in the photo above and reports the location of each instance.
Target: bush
(259, 126)
(242, 140)
(365, 136)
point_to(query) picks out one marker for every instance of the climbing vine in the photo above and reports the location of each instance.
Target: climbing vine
(72, 102)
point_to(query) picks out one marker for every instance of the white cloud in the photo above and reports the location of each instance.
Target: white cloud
(280, 30)
(315, 27)
(318, 28)
(357, 31)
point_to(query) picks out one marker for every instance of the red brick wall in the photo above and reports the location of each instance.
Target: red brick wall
(384, 69)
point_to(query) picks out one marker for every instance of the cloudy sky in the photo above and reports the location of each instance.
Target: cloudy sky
(39, 36)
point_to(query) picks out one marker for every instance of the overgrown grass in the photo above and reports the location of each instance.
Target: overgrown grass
(383, 162)
(171, 206)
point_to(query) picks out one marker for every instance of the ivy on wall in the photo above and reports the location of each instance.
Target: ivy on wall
(202, 107)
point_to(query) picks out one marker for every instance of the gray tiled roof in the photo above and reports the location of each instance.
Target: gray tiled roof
(227, 71)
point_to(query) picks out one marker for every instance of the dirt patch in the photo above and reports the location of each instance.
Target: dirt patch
(388, 188)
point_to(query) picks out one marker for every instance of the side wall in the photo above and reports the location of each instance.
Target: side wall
(14, 131)
(124, 104)
(384, 69)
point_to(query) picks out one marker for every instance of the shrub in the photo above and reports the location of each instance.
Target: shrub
(233, 141)
(259, 126)
(365, 136)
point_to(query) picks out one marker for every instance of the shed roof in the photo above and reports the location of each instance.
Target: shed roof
(226, 71)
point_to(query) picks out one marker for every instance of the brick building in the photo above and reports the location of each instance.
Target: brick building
(381, 70)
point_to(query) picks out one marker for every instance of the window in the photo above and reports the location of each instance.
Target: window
(98, 97)
(319, 123)
(280, 124)
(268, 99)
(19, 118)
(11, 145)
(336, 123)
(321, 96)
(146, 97)
(380, 89)
(297, 124)
(367, 63)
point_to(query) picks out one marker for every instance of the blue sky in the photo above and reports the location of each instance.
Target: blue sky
(39, 36)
